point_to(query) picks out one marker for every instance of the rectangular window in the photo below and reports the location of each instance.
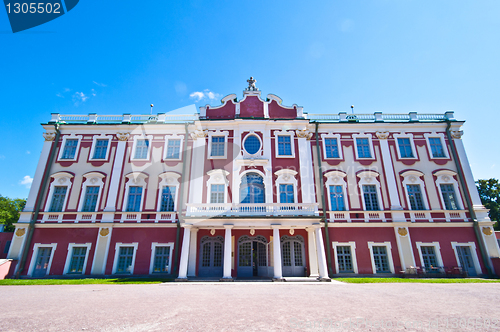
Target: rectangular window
(90, 199)
(141, 149)
(449, 197)
(217, 146)
(415, 197)
(344, 259)
(337, 198)
(332, 148)
(429, 256)
(284, 145)
(286, 193)
(370, 195)
(161, 260)
(57, 203)
(77, 260)
(125, 257)
(101, 147)
(69, 151)
(380, 259)
(405, 148)
(363, 146)
(436, 147)
(167, 198)
(217, 193)
(173, 149)
(134, 199)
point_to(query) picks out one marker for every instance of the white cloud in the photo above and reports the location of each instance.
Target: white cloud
(79, 97)
(93, 93)
(28, 152)
(205, 94)
(26, 181)
(59, 95)
(99, 84)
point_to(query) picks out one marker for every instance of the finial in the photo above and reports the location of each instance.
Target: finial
(251, 84)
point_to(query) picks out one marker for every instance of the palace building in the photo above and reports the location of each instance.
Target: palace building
(253, 189)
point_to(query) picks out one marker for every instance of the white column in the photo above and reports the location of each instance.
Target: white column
(193, 243)
(227, 252)
(116, 176)
(277, 252)
(306, 170)
(197, 168)
(390, 177)
(320, 247)
(313, 254)
(183, 264)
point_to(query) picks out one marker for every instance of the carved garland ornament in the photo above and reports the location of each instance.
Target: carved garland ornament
(382, 134)
(198, 134)
(122, 136)
(304, 133)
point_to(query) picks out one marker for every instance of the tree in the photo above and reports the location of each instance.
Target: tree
(489, 191)
(9, 211)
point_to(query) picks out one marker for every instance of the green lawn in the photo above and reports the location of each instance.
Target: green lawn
(114, 281)
(416, 280)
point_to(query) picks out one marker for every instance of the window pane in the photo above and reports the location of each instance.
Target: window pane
(449, 197)
(370, 195)
(167, 198)
(331, 148)
(69, 149)
(436, 147)
(415, 197)
(101, 147)
(58, 197)
(77, 260)
(217, 146)
(337, 198)
(363, 146)
(161, 259)
(380, 259)
(429, 256)
(284, 146)
(405, 148)
(252, 144)
(286, 193)
(252, 189)
(141, 149)
(125, 257)
(173, 148)
(90, 199)
(217, 193)
(344, 259)
(134, 199)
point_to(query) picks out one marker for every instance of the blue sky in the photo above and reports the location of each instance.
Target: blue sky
(393, 56)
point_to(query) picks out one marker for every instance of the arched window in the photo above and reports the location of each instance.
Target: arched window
(252, 188)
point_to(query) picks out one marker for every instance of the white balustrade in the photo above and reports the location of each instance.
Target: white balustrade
(263, 209)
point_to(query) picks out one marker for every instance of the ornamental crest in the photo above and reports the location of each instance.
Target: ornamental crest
(402, 231)
(487, 231)
(20, 232)
(104, 232)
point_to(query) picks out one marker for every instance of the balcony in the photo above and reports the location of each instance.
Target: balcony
(262, 209)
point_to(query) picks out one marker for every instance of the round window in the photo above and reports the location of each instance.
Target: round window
(252, 144)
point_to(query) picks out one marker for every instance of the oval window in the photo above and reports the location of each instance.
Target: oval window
(252, 144)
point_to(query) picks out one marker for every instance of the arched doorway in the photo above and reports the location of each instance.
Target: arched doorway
(292, 256)
(253, 256)
(211, 256)
(252, 188)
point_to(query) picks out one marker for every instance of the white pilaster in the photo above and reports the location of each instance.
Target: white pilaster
(193, 242)
(183, 264)
(313, 253)
(227, 252)
(197, 168)
(277, 252)
(320, 247)
(306, 171)
(116, 176)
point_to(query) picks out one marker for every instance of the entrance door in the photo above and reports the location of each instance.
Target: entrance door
(42, 262)
(465, 258)
(292, 255)
(211, 256)
(252, 256)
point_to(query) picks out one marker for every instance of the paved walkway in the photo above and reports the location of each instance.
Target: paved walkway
(242, 306)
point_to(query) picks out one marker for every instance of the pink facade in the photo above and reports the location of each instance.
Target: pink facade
(254, 189)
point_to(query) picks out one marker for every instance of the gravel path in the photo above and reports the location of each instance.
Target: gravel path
(242, 306)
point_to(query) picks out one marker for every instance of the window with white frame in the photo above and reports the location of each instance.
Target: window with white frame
(90, 199)
(430, 254)
(448, 190)
(91, 192)
(216, 186)
(284, 143)
(69, 147)
(217, 144)
(363, 146)
(173, 147)
(76, 260)
(414, 187)
(345, 257)
(286, 185)
(381, 257)
(124, 261)
(141, 149)
(331, 146)
(161, 257)
(467, 258)
(58, 192)
(336, 186)
(134, 189)
(405, 146)
(41, 260)
(252, 144)
(369, 187)
(100, 147)
(168, 189)
(436, 145)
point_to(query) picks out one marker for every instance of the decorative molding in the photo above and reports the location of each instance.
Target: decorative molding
(122, 136)
(104, 232)
(487, 231)
(382, 134)
(49, 136)
(304, 133)
(20, 232)
(198, 134)
(402, 231)
(457, 134)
